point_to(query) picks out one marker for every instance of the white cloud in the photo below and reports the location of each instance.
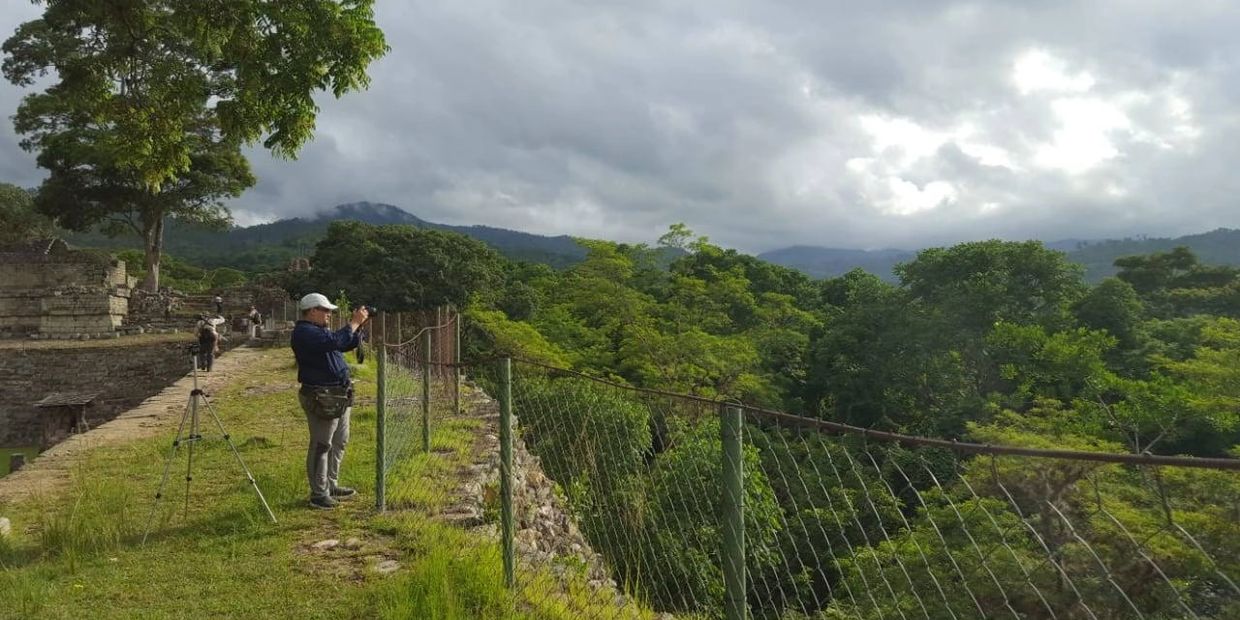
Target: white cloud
(1083, 138)
(906, 198)
(910, 140)
(1037, 70)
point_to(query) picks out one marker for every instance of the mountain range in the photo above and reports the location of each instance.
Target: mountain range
(1217, 247)
(271, 246)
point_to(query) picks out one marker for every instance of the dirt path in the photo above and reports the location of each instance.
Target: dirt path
(49, 473)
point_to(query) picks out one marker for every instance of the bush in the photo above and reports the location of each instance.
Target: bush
(686, 568)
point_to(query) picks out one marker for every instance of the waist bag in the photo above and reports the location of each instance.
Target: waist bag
(329, 402)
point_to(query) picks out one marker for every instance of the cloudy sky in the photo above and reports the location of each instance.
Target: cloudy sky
(768, 123)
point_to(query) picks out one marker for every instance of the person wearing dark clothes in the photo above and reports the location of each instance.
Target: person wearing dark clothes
(208, 346)
(219, 304)
(326, 393)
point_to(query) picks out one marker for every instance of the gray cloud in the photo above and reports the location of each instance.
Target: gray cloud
(764, 124)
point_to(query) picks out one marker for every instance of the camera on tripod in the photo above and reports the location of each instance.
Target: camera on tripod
(193, 348)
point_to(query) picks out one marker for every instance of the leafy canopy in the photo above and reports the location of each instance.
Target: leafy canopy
(154, 99)
(399, 268)
(21, 221)
(137, 77)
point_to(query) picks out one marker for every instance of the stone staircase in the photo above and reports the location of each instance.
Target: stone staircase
(187, 310)
(275, 334)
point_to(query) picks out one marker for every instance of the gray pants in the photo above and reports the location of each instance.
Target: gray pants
(327, 441)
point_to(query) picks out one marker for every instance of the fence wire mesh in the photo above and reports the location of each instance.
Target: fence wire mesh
(878, 529)
(618, 502)
(419, 395)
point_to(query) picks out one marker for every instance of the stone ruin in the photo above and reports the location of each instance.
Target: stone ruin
(48, 290)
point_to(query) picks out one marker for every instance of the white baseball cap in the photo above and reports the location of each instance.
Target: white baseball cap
(315, 300)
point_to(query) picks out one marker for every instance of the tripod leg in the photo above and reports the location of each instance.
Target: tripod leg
(194, 436)
(176, 442)
(237, 455)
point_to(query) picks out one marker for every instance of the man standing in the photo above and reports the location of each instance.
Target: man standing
(326, 393)
(219, 304)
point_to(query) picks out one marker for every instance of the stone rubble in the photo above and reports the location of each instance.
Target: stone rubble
(546, 535)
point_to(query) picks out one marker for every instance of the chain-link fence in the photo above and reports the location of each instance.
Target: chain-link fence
(698, 508)
(419, 388)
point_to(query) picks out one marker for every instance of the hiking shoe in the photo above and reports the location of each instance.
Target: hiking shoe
(323, 502)
(343, 492)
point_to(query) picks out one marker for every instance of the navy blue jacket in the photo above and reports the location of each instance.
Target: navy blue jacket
(319, 352)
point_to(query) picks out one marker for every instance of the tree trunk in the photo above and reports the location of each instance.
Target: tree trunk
(153, 235)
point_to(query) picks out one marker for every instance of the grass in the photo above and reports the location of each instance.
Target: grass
(217, 554)
(5, 453)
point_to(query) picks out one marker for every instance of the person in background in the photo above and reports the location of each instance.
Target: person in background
(256, 322)
(219, 304)
(208, 345)
(326, 393)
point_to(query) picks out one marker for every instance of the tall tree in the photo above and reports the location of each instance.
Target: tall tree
(980, 283)
(20, 220)
(400, 267)
(156, 98)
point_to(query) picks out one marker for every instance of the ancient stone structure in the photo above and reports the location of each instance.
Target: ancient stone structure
(64, 413)
(118, 374)
(48, 290)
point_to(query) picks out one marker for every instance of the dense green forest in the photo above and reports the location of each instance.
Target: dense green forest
(992, 342)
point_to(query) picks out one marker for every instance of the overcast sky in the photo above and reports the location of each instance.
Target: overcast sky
(769, 123)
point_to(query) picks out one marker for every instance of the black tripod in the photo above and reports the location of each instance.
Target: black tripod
(190, 417)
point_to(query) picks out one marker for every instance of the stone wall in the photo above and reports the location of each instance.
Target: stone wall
(123, 375)
(546, 535)
(62, 293)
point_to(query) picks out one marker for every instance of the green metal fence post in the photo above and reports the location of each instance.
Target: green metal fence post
(505, 468)
(733, 514)
(381, 416)
(426, 391)
(456, 359)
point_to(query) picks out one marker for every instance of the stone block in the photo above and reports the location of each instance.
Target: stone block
(77, 302)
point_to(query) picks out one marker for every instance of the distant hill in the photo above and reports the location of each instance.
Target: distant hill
(273, 245)
(819, 262)
(1217, 247)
